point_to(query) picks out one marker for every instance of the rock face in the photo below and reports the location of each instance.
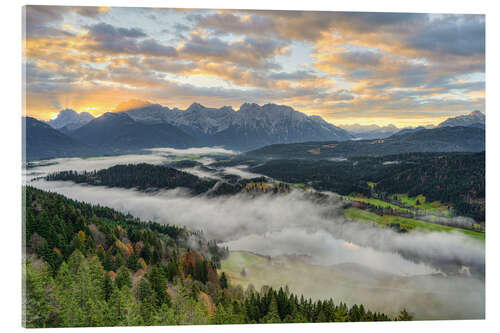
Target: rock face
(249, 127)
(474, 119)
(70, 120)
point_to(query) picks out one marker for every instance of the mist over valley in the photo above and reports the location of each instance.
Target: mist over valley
(301, 222)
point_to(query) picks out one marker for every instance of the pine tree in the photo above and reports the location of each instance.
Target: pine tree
(272, 314)
(404, 316)
(223, 281)
(123, 278)
(159, 285)
(340, 314)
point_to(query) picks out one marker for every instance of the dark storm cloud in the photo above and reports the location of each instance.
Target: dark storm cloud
(223, 22)
(104, 32)
(109, 38)
(300, 25)
(40, 18)
(206, 46)
(464, 36)
(370, 22)
(37, 18)
(88, 11)
(249, 52)
(152, 47)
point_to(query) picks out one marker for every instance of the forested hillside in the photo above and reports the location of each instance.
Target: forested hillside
(92, 266)
(142, 176)
(151, 177)
(457, 179)
(445, 139)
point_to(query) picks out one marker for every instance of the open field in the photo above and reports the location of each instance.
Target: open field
(377, 203)
(419, 202)
(426, 296)
(386, 220)
(299, 185)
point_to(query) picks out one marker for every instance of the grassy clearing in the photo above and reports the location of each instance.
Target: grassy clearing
(377, 203)
(300, 185)
(237, 260)
(420, 202)
(371, 185)
(411, 224)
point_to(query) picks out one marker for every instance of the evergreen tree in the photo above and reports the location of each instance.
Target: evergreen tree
(223, 281)
(123, 278)
(159, 285)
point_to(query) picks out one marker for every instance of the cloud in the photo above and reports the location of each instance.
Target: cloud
(108, 38)
(40, 19)
(462, 36)
(249, 52)
(194, 151)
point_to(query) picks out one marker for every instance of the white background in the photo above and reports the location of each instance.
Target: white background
(10, 156)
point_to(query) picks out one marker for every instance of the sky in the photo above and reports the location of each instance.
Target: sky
(365, 68)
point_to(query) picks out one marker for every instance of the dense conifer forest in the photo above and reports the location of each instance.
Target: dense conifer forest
(142, 176)
(457, 179)
(89, 265)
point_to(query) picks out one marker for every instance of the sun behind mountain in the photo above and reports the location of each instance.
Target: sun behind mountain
(131, 104)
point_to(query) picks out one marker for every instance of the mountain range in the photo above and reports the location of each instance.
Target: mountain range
(152, 125)
(474, 119)
(368, 132)
(68, 120)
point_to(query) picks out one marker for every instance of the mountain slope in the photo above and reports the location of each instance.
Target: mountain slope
(42, 141)
(445, 139)
(472, 119)
(119, 132)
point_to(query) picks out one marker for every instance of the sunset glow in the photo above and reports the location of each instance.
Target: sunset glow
(365, 68)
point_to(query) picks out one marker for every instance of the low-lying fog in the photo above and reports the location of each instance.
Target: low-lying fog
(284, 224)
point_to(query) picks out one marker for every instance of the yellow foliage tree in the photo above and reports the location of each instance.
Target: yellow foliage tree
(82, 236)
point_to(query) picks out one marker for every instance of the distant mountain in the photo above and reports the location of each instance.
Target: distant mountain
(150, 114)
(410, 130)
(445, 139)
(42, 141)
(249, 127)
(475, 119)
(70, 120)
(370, 131)
(119, 132)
